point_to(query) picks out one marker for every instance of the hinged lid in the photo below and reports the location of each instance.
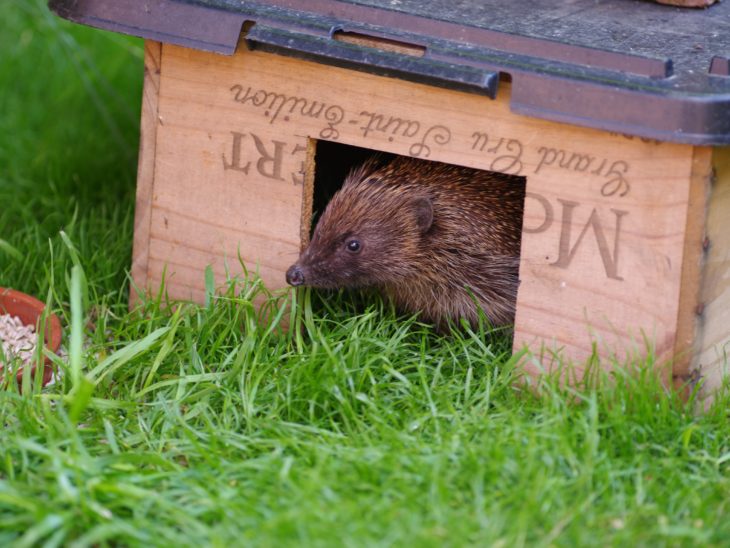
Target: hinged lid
(628, 66)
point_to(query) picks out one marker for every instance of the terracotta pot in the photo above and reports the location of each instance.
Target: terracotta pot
(29, 310)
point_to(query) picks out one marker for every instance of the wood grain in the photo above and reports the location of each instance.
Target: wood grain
(146, 167)
(711, 361)
(692, 263)
(607, 218)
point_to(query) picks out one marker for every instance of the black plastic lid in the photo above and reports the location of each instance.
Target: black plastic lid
(628, 66)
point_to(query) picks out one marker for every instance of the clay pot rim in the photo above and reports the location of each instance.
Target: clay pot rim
(11, 300)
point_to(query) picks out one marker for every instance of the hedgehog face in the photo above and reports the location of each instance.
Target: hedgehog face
(367, 236)
(346, 259)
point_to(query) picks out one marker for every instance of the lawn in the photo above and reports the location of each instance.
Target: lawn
(204, 425)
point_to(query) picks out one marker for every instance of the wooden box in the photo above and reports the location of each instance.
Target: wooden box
(621, 143)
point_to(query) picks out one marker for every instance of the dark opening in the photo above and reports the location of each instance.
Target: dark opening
(378, 42)
(333, 162)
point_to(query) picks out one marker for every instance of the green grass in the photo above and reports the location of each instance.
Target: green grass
(203, 425)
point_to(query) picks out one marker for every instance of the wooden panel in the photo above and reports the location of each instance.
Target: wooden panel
(145, 166)
(692, 262)
(226, 187)
(605, 217)
(711, 362)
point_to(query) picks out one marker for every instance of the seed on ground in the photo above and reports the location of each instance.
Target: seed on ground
(16, 339)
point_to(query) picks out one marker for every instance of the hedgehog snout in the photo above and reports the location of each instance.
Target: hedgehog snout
(295, 275)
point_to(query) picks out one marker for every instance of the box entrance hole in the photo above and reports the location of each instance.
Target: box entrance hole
(333, 162)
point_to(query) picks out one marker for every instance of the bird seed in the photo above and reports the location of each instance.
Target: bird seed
(18, 341)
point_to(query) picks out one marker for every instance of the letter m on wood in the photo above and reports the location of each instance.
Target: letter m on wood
(609, 253)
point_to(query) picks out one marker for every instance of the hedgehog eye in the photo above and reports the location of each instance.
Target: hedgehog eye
(353, 246)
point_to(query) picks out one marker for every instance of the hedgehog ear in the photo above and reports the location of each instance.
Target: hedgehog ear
(423, 209)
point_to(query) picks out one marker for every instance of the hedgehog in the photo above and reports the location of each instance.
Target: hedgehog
(438, 240)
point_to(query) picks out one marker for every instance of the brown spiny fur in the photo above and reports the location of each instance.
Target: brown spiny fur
(434, 237)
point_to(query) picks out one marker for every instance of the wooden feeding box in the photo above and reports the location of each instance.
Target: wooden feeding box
(616, 114)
